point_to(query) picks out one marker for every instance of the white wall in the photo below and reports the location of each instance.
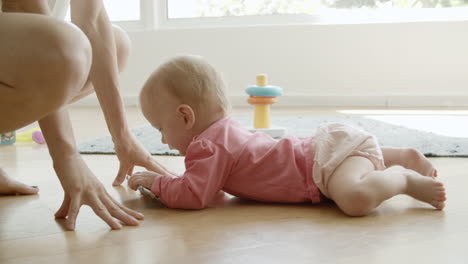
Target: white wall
(380, 65)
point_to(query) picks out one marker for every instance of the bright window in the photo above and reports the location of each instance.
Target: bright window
(120, 10)
(123, 10)
(227, 8)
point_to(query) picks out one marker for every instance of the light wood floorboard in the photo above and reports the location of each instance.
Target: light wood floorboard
(402, 230)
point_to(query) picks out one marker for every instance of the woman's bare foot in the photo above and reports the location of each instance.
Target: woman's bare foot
(426, 189)
(11, 186)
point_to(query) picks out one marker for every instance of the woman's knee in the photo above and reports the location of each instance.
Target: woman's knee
(48, 66)
(70, 62)
(61, 64)
(74, 57)
(122, 46)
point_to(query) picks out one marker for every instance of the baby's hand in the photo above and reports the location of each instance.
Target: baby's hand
(143, 178)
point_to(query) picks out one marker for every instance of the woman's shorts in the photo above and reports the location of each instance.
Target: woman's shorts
(333, 143)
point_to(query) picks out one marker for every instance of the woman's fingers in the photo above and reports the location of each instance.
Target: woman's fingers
(103, 205)
(103, 212)
(127, 210)
(130, 170)
(74, 209)
(63, 211)
(121, 174)
(117, 212)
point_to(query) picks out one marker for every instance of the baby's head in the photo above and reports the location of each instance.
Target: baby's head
(182, 98)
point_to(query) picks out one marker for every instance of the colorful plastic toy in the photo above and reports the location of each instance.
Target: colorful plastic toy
(8, 138)
(34, 134)
(262, 96)
(31, 135)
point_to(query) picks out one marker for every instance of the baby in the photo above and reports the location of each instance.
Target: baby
(185, 99)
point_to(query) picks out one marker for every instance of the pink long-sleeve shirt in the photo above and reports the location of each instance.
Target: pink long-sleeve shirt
(228, 157)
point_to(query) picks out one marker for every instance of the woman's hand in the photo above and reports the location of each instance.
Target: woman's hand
(81, 187)
(131, 153)
(143, 178)
(9, 185)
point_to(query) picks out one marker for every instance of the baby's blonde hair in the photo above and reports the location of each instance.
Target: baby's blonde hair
(193, 81)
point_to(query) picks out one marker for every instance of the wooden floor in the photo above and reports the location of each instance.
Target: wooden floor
(402, 230)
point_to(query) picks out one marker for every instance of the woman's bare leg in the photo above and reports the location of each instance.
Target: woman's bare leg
(357, 188)
(80, 185)
(123, 46)
(57, 86)
(409, 158)
(26, 6)
(43, 64)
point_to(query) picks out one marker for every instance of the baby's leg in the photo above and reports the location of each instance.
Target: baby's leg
(409, 158)
(357, 188)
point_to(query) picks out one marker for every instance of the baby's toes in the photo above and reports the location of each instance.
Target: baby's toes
(438, 204)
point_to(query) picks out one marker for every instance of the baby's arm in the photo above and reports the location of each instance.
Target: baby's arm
(207, 166)
(143, 181)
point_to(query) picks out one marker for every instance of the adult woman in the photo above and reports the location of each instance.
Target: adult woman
(46, 64)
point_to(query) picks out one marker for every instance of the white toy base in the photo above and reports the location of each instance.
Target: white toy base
(274, 132)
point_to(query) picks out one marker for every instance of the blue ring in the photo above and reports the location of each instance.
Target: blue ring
(269, 90)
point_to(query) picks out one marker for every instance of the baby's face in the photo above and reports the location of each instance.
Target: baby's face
(163, 116)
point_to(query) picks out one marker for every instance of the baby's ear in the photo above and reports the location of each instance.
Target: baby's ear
(187, 114)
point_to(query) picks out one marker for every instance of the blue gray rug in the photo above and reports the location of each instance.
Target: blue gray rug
(432, 145)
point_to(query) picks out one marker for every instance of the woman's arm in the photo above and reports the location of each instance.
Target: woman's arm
(91, 17)
(207, 168)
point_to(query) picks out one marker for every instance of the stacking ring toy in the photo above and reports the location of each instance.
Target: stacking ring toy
(262, 96)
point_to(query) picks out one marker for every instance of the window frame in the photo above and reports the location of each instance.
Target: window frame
(146, 21)
(324, 17)
(154, 15)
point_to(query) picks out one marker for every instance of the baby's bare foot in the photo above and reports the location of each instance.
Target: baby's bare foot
(419, 163)
(426, 189)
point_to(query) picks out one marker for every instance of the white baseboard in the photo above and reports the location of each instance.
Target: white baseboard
(393, 101)
(92, 101)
